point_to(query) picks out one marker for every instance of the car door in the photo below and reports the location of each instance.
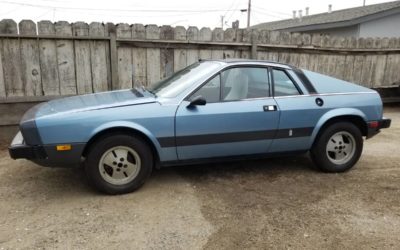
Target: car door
(299, 112)
(239, 118)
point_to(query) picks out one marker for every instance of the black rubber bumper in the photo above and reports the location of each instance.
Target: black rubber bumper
(46, 155)
(375, 126)
(26, 152)
(19, 150)
(385, 123)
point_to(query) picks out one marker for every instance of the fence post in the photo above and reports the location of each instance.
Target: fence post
(113, 55)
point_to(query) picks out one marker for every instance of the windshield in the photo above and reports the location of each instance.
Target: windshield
(182, 80)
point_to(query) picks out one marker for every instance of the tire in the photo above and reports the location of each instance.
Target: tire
(337, 148)
(118, 164)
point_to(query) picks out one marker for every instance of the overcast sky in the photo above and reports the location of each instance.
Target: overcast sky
(201, 13)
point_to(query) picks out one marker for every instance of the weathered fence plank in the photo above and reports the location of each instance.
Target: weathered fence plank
(30, 62)
(294, 58)
(339, 59)
(264, 39)
(192, 34)
(229, 36)
(2, 86)
(314, 58)
(304, 57)
(82, 59)
(125, 69)
(48, 60)
(284, 56)
(205, 35)
(273, 39)
(99, 58)
(246, 38)
(167, 54)
(378, 80)
(369, 65)
(139, 57)
(65, 59)
(180, 60)
(358, 63)
(349, 60)
(217, 36)
(11, 60)
(392, 76)
(153, 56)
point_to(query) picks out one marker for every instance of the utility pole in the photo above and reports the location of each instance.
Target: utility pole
(248, 14)
(222, 22)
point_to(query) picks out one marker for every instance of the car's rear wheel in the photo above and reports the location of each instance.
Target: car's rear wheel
(338, 147)
(118, 164)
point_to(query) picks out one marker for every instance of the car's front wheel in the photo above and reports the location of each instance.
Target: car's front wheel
(338, 147)
(118, 164)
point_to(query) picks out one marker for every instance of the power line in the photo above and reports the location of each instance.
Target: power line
(232, 12)
(44, 13)
(273, 11)
(267, 14)
(260, 16)
(258, 20)
(229, 10)
(230, 7)
(119, 10)
(132, 16)
(10, 11)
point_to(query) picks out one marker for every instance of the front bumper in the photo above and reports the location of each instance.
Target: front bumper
(18, 149)
(374, 127)
(46, 155)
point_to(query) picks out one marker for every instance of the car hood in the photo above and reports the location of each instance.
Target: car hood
(96, 101)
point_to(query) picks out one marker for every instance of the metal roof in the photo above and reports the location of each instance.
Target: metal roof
(339, 18)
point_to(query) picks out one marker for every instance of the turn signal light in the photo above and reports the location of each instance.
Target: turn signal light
(65, 147)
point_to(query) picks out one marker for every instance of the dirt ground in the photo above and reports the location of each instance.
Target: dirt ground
(276, 203)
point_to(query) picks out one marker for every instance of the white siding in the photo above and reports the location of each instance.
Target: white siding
(343, 31)
(384, 27)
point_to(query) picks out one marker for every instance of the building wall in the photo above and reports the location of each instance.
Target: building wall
(384, 27)
(343, 31)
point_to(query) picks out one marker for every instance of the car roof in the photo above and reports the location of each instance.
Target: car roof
(238, 61)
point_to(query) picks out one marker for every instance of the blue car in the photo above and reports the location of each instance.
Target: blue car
(208, 111)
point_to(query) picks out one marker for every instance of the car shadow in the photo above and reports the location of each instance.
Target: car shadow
(60, 183)
(267, 166)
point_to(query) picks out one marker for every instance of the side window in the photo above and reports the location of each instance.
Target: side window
(283, 85)
(211, 90)
(244, 83)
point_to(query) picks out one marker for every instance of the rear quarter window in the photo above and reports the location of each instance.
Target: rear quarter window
(283, 85)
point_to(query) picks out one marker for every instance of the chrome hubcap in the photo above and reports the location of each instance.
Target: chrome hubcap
(119, 165)
(341, 147)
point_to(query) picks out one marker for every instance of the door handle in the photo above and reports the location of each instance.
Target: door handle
(268, 108)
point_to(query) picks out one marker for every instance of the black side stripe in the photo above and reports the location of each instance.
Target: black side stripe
(166, 142)
(234, 137)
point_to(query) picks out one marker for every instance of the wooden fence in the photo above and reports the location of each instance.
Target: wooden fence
(50, 59)
(46, 60)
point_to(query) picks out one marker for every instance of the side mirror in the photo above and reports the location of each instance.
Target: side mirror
(197, 101)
